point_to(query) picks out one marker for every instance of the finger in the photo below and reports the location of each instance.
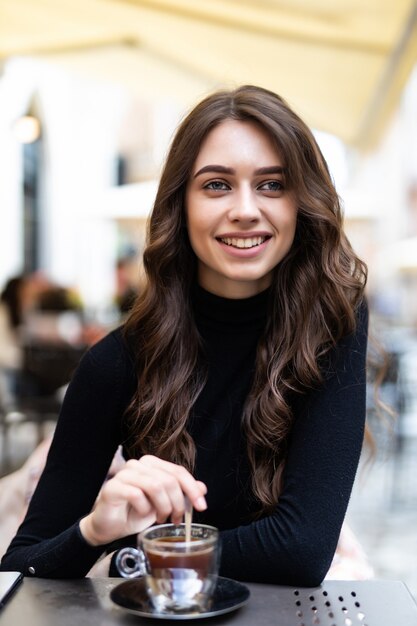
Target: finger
(141, 503)
(159, 487)
(164, 492)
(118, 493)
(157, 483)
(194, 489)
(121, 509)
(201, 503)
(203, 487)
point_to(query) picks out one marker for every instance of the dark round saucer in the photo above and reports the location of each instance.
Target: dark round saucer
(131, 595)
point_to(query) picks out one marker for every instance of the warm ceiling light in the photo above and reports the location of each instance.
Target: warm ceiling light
(27, 129)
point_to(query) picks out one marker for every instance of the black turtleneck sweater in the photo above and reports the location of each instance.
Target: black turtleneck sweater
(293, 545)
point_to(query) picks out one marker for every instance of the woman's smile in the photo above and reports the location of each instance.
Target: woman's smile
(243, 245)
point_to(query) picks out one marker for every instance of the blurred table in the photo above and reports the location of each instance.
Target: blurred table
(336, 603)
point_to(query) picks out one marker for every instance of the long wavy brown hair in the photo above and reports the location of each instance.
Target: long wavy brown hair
(314, 295)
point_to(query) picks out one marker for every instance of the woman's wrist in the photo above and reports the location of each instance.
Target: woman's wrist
(87, 531)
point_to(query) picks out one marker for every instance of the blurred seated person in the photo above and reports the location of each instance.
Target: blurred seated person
(17, 298)
(11, 315)
(22, 294)
(55, 337)
(53, 344)
(59, 319)
(58, 299)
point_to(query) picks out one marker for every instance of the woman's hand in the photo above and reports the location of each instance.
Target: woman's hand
(143, 492)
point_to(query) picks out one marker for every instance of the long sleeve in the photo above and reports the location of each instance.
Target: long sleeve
(295, 545)
(49, 542)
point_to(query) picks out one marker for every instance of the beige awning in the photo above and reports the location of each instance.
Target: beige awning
(342, 64)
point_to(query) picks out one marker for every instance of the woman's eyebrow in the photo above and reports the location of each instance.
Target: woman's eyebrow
(222, 169)
(274, 169)
(218, 169)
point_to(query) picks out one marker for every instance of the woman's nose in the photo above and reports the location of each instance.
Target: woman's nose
(244, 207)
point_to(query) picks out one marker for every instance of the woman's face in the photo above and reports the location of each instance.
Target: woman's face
(241, 219)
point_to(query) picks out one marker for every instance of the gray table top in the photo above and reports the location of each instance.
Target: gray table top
(41, 602)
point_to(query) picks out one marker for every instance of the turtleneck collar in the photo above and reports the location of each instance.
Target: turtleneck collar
(230, 314)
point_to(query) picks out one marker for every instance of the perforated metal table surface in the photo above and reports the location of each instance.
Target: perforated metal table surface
(336, 603)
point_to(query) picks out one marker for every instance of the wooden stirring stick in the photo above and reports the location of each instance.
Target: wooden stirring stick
(188, 518)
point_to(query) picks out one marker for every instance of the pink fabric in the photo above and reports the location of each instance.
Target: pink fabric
(350, 561)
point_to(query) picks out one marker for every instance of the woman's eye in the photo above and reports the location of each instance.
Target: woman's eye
(271, 185)
(216, 185)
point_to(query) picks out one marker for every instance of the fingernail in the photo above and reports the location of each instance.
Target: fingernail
(201, 503)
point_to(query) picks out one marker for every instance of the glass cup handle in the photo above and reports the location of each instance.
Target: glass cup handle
(130, 562)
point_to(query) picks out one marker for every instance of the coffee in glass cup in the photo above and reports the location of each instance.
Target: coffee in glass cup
(180, 575)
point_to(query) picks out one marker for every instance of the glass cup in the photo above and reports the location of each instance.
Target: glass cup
(180, 575)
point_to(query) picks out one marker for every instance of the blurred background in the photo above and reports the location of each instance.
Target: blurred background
(90, 94)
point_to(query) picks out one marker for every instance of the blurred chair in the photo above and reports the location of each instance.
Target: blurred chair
(5, 407)
(49, 361)
(46, 368)
(9, 415)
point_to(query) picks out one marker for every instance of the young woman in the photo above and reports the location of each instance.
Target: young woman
(238, 379)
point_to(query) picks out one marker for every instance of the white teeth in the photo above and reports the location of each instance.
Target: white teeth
(239, 242)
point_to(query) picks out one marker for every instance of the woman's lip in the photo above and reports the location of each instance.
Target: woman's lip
(243, 252)
(245, 235)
